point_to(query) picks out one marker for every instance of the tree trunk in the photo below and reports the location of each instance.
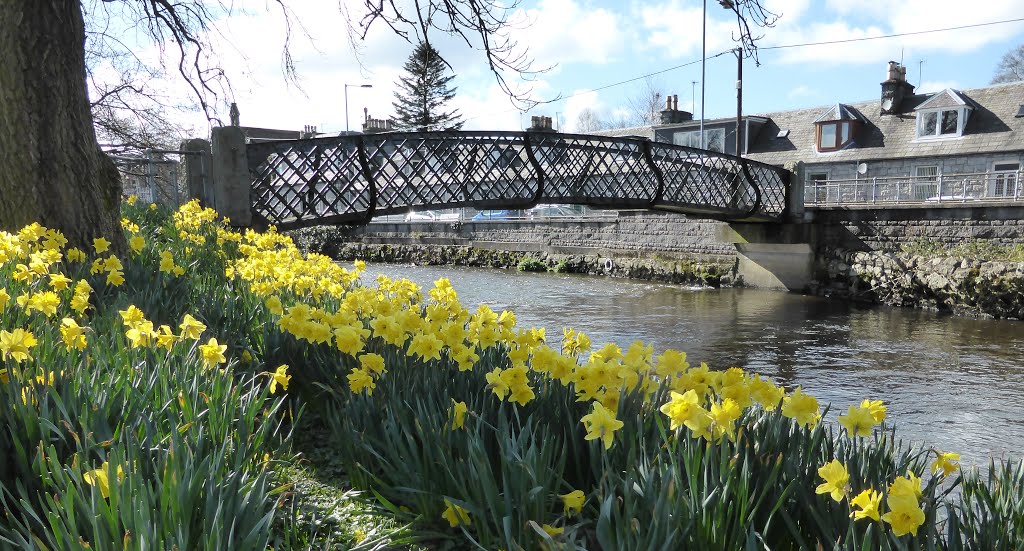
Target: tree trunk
(51, 168)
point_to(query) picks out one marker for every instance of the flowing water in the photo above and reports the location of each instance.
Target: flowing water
(953, 383)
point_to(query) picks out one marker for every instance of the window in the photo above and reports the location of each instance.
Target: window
(1004, 181)
(943, 123)
(834, 135)
(714, 139)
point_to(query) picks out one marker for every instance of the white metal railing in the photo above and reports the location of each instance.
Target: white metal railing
(917, 190)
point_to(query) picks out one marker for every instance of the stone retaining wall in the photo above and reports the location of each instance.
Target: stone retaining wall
(886, 230)
(707, 273)
(958, 285)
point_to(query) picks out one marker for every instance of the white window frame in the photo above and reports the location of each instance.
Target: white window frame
(961, 120)
(1005, 183)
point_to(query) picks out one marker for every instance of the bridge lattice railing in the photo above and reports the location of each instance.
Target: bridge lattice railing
(351, 179)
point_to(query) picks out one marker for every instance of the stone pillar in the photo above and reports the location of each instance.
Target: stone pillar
(232, 183)
(795, 192)
(197, 170)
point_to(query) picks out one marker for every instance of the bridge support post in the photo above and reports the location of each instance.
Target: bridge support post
(773, 256)
(232, 183)
(795, 192)
(197, 169)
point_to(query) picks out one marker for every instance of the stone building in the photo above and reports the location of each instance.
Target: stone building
(952, 145)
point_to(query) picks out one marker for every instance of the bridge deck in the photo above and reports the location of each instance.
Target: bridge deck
(351, 179)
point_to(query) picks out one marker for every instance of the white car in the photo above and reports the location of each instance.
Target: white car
(421, 216)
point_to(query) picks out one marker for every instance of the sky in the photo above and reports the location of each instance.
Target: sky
(590, 45)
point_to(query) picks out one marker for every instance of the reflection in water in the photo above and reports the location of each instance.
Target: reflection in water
(952, 383)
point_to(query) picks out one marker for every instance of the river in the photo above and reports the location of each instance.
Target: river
(953, 383)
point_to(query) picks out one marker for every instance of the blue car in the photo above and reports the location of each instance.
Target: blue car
(497, 215)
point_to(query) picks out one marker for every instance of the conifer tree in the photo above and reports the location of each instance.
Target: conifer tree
(424, 91)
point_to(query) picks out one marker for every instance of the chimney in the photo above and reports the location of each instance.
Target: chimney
(540, 124)
(895, 88)
(672, 114)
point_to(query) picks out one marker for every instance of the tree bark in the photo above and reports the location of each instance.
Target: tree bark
(52, 170)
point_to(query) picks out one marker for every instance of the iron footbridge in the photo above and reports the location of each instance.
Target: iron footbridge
(351, 179)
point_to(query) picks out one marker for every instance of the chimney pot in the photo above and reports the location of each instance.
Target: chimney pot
(675, 102)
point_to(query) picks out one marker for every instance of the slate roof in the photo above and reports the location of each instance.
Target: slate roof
(632, 132)
(991, 128)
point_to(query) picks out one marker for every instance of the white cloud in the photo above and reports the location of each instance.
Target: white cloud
(853, 19)
(575, 104)
(567, 31)
(802, 91)
(936, 86)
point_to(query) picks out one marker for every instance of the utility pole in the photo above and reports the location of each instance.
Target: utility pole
(739, 99)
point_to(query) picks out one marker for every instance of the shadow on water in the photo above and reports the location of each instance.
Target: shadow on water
(953, 383)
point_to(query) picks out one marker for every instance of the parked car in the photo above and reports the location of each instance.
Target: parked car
(497, 215)
(420, 216)
(550, 211)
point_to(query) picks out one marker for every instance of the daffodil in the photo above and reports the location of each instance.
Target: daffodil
(572, 502)
(281, 377)
(100, 478)
(458, 414)
(601, 424)
(191, 328)
(836, 480)
(877, 408)
(858, 421)
(100, 244)
(372, 363)
(553, 531)
(137, 243)
(359, 380)
(213, 353)
(72, 334)
(455, 515)
(946, 462)
(803, 408)
(868, 504)
(685, 410)
(16, 344)
(905, 516)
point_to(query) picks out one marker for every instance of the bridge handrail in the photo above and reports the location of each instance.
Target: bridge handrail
(351, 179)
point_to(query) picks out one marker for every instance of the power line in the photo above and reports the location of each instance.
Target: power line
(896, 35)
(784, 46)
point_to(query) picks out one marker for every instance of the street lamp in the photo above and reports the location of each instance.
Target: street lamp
(346, 100)
(727, 4)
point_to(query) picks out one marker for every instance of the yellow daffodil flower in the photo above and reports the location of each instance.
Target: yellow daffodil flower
(100, 244)
(191, 328)
(868, 504)
(946, 462)
(858, 421)
(572, 502)
(803, 408)
(359, 380)
(601, 423)
(836, 480)
(213, 353)
(455, 515)
(100, 478)
(458, 414)
(281, 377)
(16, 344)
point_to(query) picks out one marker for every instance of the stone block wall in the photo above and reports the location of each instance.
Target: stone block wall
(630, 234)
(886, 230)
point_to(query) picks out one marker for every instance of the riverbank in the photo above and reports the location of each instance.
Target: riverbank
(936, 279)
(658, 268)
(963, 286)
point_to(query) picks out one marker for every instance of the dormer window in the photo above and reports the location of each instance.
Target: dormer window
(836, 128)
(939, 124)
(944, 115)
(834, 135)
